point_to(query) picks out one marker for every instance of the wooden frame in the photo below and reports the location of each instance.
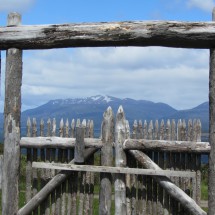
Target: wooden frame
(15, 37)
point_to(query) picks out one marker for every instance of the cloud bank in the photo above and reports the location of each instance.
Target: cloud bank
(178, 77)
(15, 5)
(206, 5)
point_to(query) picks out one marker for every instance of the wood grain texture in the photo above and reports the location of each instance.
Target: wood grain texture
(49, 187)
(168, 145)
(166, 183)
(133, 33)
(57, 142)
(106, 160)
(211, 185)
(120, 161)
(12, 112)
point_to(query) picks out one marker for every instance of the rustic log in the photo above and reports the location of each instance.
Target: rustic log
(79, 145)
(198, 165)
(1, 170)
(73, 128)
(166, 183)
(43, 171)
(87, 178)
(35, 158)
(57, 142)
(12, 111)
(50, 186)
(167, 145)
(149, 180)
(141, 180)
(155, 185)
(91, 162)
(211, 184)
(133, 164)
(106, 169)
(168, 165)
(161, 165)
(136, 33)
(120, 161)
(28, 165)
(53, 159)
(106, 160)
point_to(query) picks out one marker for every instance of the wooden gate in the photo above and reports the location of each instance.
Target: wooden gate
(16, 37)
(157, 167)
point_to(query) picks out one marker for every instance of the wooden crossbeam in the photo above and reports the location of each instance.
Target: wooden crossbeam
(134, 144)
(167, 145)
(57, 142)
(135, 33)
(106, 169)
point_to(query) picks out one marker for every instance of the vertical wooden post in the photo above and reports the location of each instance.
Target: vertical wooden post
(120, 161)
(79, 145)
(12, 112)
(106, 160)
(28, 166)
(211, 185)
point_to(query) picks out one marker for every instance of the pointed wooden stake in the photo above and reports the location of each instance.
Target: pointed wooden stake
(120, 161)
(106, 160)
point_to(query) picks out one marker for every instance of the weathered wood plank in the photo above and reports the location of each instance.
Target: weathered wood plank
(120, 161)
(28, 165)
(106, 160)
(79, 145)
(57, 142)
(1, 170)
(43, 172)
(35, 158)
(49, 187)
(167, 145)
(133, 33)
(155, 186)
(161, 165)
(166, 183)
(149, 180)
(51, 131)
(91, 162)
(116, 170)
(12, 112)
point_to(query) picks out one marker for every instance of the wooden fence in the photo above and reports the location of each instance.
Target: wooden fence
(143, 193)
(16, 37)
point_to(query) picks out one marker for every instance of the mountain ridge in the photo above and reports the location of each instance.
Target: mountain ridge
(93, 108)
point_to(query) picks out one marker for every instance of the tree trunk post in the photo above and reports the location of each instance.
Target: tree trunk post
(12, 112)
(106, 160)
(211, 184)
(120, 161)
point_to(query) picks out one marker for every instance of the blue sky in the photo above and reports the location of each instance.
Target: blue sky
(178, 77)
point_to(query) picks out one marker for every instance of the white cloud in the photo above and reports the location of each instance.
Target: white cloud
(15, 5)
(206, 5)
(178, 77)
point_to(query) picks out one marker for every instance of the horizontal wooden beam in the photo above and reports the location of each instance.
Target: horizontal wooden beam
(167, 145)
(106, 169)
(57, 142)
(135, 33)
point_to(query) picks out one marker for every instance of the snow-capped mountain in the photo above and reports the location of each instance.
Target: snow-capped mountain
(93, 108)
(88, 100)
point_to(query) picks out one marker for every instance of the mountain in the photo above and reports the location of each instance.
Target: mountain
(200, 112)
(94, 107)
